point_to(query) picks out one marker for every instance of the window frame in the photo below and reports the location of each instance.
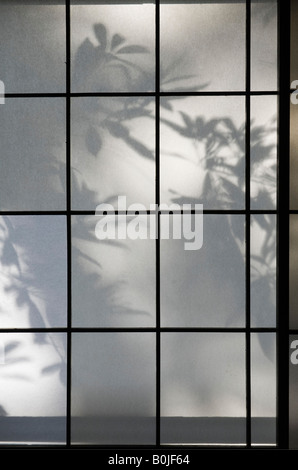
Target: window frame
(282, 213)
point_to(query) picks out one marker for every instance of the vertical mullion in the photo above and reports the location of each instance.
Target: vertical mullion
(283, 226)
(247, 221)
(157, 202)
(68, 212)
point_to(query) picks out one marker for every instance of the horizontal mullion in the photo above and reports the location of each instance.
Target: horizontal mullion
(35, 95)
(30, 213)
(143, 330)
(140, 212)
(144, 94)
(78, 95)
(130, 213)
(220, 93)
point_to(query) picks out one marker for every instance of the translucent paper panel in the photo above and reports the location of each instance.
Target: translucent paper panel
(263, 152)
(32, 384)
(263, 270)
(32, 135)
(204, 287)
(32, 56)
(202, 46)
(293, 156)
(264, 45)
(113, 47)
(293, 384)
(113, 151)
(263, 388)
(113, 280)
(113, 388)
(203, 388)
(202, 151)
(33, 278)
(293, 260)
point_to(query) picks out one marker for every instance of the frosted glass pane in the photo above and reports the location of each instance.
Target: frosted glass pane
(33, 391)
(263, 270)
(202, 151)
(264, 45)
(32, 54)
(205, 287)
(113, 47)
(33, 279)
(263, 152)
(202, 46)
(203, 383)
(293, 260)
(113, 151)
(263, 388)
(113, 388)
(32, 135)
(293, 156)
(293, 393)
(113, 281)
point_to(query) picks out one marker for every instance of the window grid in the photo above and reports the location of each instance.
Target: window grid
(282, 328)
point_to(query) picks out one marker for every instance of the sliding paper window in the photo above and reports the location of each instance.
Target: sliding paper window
(128, 316)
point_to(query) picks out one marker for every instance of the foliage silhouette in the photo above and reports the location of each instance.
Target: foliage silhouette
(224, 183)
(98, 65)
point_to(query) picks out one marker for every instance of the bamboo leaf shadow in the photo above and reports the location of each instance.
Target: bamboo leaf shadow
(101, 35)
(119, 131)
(135, 49)
(11, 346)
(3, 412)
(117, 39)
(51, 369)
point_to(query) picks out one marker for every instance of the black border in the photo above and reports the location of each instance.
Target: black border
(282, 212)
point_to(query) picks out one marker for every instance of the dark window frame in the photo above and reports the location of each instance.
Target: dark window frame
(282, 212)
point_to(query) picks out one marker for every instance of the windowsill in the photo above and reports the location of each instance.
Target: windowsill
(136, 431)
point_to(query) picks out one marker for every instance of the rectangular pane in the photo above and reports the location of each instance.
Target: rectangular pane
(264, 45)
(113, 47)
(33, 53)
(113, 280)
(32, 135)
(263, 388)
(263, 152)
(211, 56)
(263, 270)
(113, 151)
(293, 156)
(203, 388)
(113, 388)
(293, 384)
(293, 260)
(202, 151)
(204, 287)
(33, 392)
(33, 271)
